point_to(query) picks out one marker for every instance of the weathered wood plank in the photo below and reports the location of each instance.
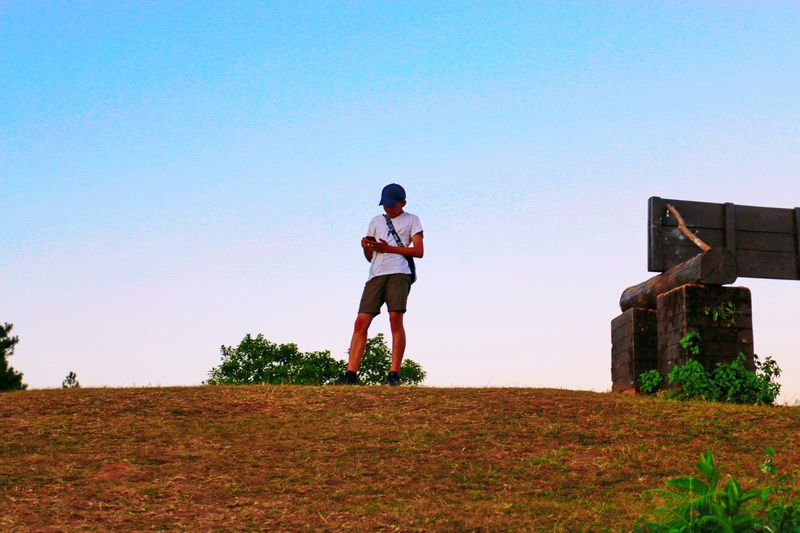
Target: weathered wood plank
(751, 263)
(765, 242)
(797, 237)
(621, 321)
(696, 214)
(655, 257)
(758, 234)
(730, 228)
(749, 218)
(745, 240)
(770, 265)
(715, 267)
(768, 219)
(633, 347)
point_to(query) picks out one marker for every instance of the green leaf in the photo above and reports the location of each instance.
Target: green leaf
(706, 466)
(749, 495)
(743, 522)
(689, 484)
(732, 492)
(721, 524)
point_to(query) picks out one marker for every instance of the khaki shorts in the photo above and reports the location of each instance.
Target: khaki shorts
(391, 288)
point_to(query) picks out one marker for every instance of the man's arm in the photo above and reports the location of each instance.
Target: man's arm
(366, 247)
(417, 249)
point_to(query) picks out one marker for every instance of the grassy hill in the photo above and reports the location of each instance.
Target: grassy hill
(363, 458)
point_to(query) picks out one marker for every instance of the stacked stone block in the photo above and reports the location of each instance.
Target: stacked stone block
(644, 339)
(690, 308)
(633, 347)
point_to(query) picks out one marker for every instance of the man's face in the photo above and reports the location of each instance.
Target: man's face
(395, 210)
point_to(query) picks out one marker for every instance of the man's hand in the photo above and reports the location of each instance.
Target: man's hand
(369, 244)
(380, 246)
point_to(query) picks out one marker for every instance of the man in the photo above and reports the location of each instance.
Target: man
(393, 241)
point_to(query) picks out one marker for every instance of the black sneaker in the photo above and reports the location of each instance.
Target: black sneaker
(348, 378)
(393, 379)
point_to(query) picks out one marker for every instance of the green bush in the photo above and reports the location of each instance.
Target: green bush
(71, 381)
(730, 382)
(650, 382)
(699, 505)
(256, 360)
(692, 382)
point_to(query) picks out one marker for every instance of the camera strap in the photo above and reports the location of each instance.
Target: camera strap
(396, 237)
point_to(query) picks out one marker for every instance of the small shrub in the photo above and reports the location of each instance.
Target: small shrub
(692, 343)
(697, 504)
(730, 382)
(692, 381)
(71, 381)
(650, 382)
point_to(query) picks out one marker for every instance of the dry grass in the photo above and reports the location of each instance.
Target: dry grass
(362, 458)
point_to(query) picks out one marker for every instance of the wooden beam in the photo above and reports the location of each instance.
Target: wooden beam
(730, 227)
(745, 240)
(715, 267)
(748, 218)
(655, 258)
(797, 235)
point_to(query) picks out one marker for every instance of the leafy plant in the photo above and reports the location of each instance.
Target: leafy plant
(731, 382)
(692, 381)
(256, 360)
(768, 466)
(10, 379)
(724, 312)
(699, 505)
(71, 381)
(692, 343)
(650, 382)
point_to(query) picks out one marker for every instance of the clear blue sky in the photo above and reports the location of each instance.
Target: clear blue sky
(175, 175)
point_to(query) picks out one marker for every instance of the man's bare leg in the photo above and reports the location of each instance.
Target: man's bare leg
(398, 340)
(359, 341)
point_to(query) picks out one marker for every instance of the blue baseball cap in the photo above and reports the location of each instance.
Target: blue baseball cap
(392, 194)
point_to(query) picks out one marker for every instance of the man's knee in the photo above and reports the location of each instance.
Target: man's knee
(363, 320)
(396, 321)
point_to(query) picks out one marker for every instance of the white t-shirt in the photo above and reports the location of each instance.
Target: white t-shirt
(406, 225)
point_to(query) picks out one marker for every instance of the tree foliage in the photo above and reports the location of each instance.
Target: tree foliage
(256, 360)
(10, 379)
(71, 381)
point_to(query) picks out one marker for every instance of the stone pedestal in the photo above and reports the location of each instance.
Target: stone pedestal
(721, 316)
(633, 347)
(643, 339)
